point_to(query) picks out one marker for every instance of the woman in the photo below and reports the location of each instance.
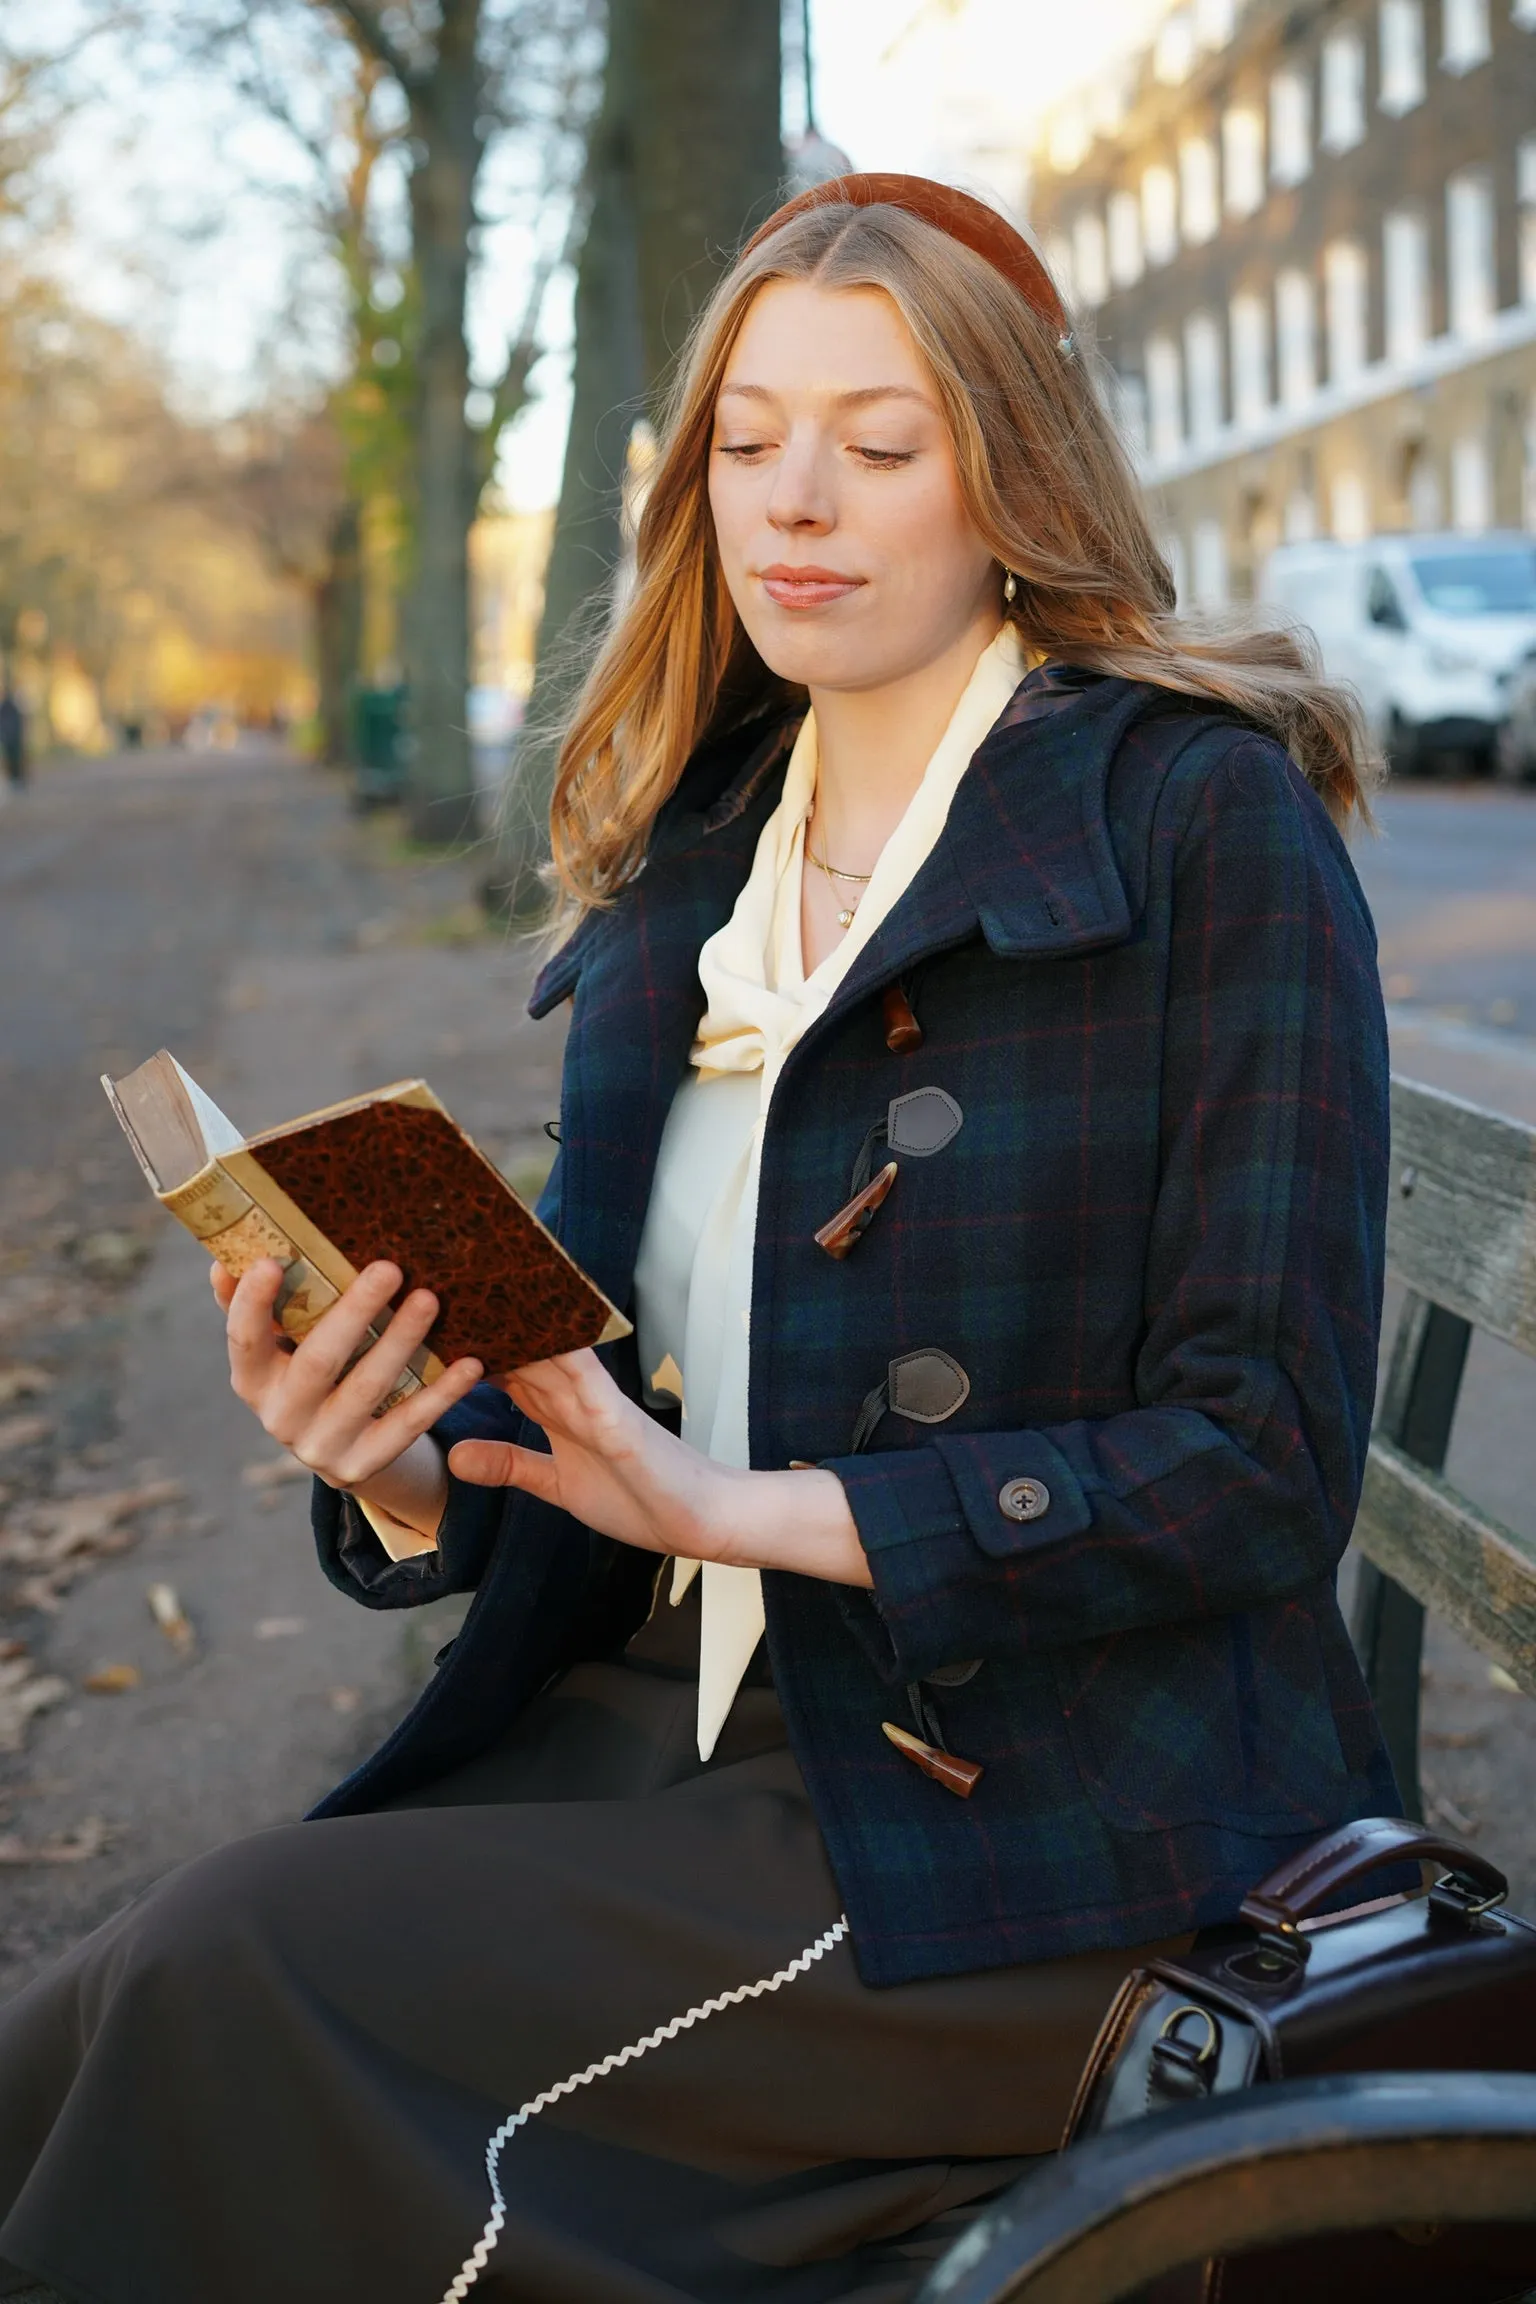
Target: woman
(976, 1088)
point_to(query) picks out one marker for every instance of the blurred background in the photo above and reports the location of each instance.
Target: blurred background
(332, 337)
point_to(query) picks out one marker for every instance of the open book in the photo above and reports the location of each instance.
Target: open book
(384, 1175)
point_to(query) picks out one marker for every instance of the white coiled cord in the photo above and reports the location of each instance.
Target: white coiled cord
(475, 2262)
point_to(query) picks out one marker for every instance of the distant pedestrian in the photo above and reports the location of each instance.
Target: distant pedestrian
(13, 738)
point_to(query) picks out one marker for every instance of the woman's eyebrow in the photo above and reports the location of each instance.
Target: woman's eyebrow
(859, 398)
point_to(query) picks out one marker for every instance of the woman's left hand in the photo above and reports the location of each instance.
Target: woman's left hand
(616, 1469)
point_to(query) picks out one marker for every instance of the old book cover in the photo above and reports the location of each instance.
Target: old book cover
(389, 1174)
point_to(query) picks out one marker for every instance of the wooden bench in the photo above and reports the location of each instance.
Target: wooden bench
(1461, 1237)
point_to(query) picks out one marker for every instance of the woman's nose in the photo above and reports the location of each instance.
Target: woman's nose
(800, 497)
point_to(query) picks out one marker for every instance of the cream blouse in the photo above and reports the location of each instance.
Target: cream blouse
(693, 1277)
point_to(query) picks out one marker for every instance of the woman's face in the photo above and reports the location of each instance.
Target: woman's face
(845, 541)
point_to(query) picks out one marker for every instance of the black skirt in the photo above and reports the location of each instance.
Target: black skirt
(276, 2074)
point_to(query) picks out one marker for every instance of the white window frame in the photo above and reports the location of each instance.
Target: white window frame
(1470, 274)
(1199, 191)
(1465, 35)
(1290, 127)
(1295, 337)
(1242, 159)
(1405, 282)
(1346, 288)
(1159, 214)
(1208, 581)
(1401, 35)
(1525, 193)
(1165, 396)
(1343, 91)
(1248, 335)
(1203, 378)
(1090, 259)
(1127, 261)
(1471, 485)
(1349, 507)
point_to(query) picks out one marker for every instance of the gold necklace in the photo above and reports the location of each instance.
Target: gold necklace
(845, 914)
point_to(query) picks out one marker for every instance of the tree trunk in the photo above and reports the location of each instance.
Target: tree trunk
(445, 108)
(338, 612)
(685, 159)
(708, 153)
(608, 393)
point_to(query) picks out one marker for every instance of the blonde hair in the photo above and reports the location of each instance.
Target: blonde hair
(1046, 483)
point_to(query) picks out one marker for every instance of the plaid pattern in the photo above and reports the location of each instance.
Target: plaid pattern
(1146, 974)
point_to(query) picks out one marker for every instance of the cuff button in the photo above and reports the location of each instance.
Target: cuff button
(1023, 1499)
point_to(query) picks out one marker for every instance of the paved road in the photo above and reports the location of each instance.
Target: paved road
(230, 908)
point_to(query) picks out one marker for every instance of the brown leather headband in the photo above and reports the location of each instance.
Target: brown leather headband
(969, 221)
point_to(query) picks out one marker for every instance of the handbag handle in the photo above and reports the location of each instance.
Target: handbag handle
(1293, 1892)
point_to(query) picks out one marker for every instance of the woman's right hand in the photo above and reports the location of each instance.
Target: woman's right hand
(326, 1418)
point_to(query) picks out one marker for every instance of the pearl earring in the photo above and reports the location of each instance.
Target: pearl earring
(1010, 586)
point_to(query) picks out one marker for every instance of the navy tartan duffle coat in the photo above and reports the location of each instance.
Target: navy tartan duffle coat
(1150, 1255)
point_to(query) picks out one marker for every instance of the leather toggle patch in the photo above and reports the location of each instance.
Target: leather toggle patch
(927, 1386)
(922, 1122)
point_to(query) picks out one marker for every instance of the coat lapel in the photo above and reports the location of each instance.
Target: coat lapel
(638, 1007)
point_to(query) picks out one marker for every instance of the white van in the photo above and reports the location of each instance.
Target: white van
(1427, 629)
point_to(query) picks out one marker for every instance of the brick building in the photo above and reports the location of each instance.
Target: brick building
(1303, 236)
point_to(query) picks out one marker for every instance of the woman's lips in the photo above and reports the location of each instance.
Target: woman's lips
(806, 587)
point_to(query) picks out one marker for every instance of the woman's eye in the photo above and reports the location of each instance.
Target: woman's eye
(742, 450)
(885, 459)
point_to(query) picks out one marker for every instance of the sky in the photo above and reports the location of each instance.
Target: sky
(182, 206)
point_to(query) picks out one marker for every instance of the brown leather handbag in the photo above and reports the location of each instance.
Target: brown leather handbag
(1443, 1981)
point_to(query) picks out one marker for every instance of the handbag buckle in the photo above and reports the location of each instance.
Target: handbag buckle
(1456, 1897)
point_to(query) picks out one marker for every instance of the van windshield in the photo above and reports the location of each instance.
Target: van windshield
(1479, 583)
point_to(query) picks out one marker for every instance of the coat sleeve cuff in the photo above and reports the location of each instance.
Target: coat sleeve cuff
(352, 1556)
(934, 1527)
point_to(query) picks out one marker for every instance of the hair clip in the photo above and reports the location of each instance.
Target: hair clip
(1066, 344)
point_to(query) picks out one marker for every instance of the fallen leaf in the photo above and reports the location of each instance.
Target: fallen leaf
(272, 1471)
(10, 1649)
(1502, 1680)
(278, 1627)
(21, 1383)
(61, 1537)
(88, 1838)
(346, 1699)
(112, 1679)
(111, 1256)
(24, 1692)
(23, 1431)
(1454, 1739)
(166, 1609)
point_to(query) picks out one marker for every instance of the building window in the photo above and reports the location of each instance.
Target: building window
(1471, 485)
(1290, 128)
(1344, 292)
(1208, 565)
(1402, 55)
(1202, 366)
(1159, 215)
(1165, 396)
(1349, 508)
(1405, 282)
(1296, 337)
(1471, 292)
(1130, 400)
(1525, 192)
(1090, 261)
(1173, 51)
(1201, 207)
(1464, 38)
(1125, 258)
(1242, 159)
(1299, 521)
(1249, 329)
(1343, 121)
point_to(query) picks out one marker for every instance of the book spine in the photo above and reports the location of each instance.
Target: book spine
(239, 1234)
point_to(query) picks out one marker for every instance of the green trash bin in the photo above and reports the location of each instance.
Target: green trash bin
(378, 746)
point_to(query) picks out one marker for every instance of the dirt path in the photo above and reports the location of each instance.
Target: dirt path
(231, 909)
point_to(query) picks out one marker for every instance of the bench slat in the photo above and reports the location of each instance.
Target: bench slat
(1453, 1557)
(1461, 1216)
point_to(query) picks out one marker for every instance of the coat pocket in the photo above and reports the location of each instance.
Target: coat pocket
(1224, 1720)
